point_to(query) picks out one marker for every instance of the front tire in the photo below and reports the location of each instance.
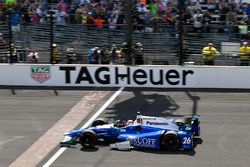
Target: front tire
(88, 139)
(170, 141)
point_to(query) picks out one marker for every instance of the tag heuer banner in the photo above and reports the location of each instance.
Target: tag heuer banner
(74, 75)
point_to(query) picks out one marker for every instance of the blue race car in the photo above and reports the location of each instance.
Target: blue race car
(144, 132)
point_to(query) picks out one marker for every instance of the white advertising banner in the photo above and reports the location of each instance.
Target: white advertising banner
(127, 76)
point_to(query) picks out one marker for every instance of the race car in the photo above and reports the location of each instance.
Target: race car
(144, 132)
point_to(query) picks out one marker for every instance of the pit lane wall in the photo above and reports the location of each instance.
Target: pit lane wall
(61, 75)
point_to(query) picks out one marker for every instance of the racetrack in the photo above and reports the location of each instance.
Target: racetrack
(225, 123)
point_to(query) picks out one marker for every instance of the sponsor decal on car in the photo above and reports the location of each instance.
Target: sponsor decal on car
(156, 123)
(146, 142)
(40, 73)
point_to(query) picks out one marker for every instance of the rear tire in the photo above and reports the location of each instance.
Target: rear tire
(198, 133)
(88, 139)
(170, 141)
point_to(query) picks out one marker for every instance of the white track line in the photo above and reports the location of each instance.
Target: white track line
(87, 124)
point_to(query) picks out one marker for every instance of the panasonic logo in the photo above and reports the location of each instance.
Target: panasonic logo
(156, 123)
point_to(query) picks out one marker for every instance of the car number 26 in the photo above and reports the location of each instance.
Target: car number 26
(186, 140)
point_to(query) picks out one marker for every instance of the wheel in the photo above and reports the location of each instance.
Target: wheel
(198, 133)
(88, 139)
(99, 121)
(170, 141)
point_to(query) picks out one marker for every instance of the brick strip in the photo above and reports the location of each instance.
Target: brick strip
(49, 140)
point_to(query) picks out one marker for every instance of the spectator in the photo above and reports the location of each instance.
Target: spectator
(10, 2)
(198, 5)
(148, 23)
(62, 6)
(244, 54)
(190, 8)
(71, 55)
(78, 45)
(142, 11)
(120, 21)
(120, 58)
(93, 55)
(15, 21)
(245, 7)
(223, 8)
(34, 17)
(99, 22)
(244, 19)
(124, 57)
(105, 56)
(90, 21)
(84, 18)
(14, 57)
(3, 15)
(185, 51)
(112, 23)
(232, 6)
(198, 21)
(162, 5)
(187, 17)
(172, 22)
(243, 26)
(61, 16)
(153, 7)
(206, 20)
(209, 53)
(231, 22)
(24, 10)
(211, 5)
(3, 49)
(33, 57)
(56, 55)
(3, 43)
(78, 14)
(156, 22)
(2, 5)
(138, 54)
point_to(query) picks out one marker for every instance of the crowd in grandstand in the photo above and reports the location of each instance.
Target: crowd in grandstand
(149, 16)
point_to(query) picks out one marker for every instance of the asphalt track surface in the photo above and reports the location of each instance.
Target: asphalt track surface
(24, 117)
(224, 141)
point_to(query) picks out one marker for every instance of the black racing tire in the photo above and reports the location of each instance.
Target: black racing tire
(198, 133)
(88, 139)
(170, 141)
(99, 121)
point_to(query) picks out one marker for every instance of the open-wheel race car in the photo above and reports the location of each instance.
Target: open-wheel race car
(144, 132)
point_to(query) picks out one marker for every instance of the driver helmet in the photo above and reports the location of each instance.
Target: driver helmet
(130, 122)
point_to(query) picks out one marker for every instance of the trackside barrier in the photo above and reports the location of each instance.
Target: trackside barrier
(84, 76)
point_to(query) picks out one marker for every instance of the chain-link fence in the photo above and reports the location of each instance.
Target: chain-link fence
(160, 41)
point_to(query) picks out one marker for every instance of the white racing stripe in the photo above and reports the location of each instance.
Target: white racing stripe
(87, 124)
